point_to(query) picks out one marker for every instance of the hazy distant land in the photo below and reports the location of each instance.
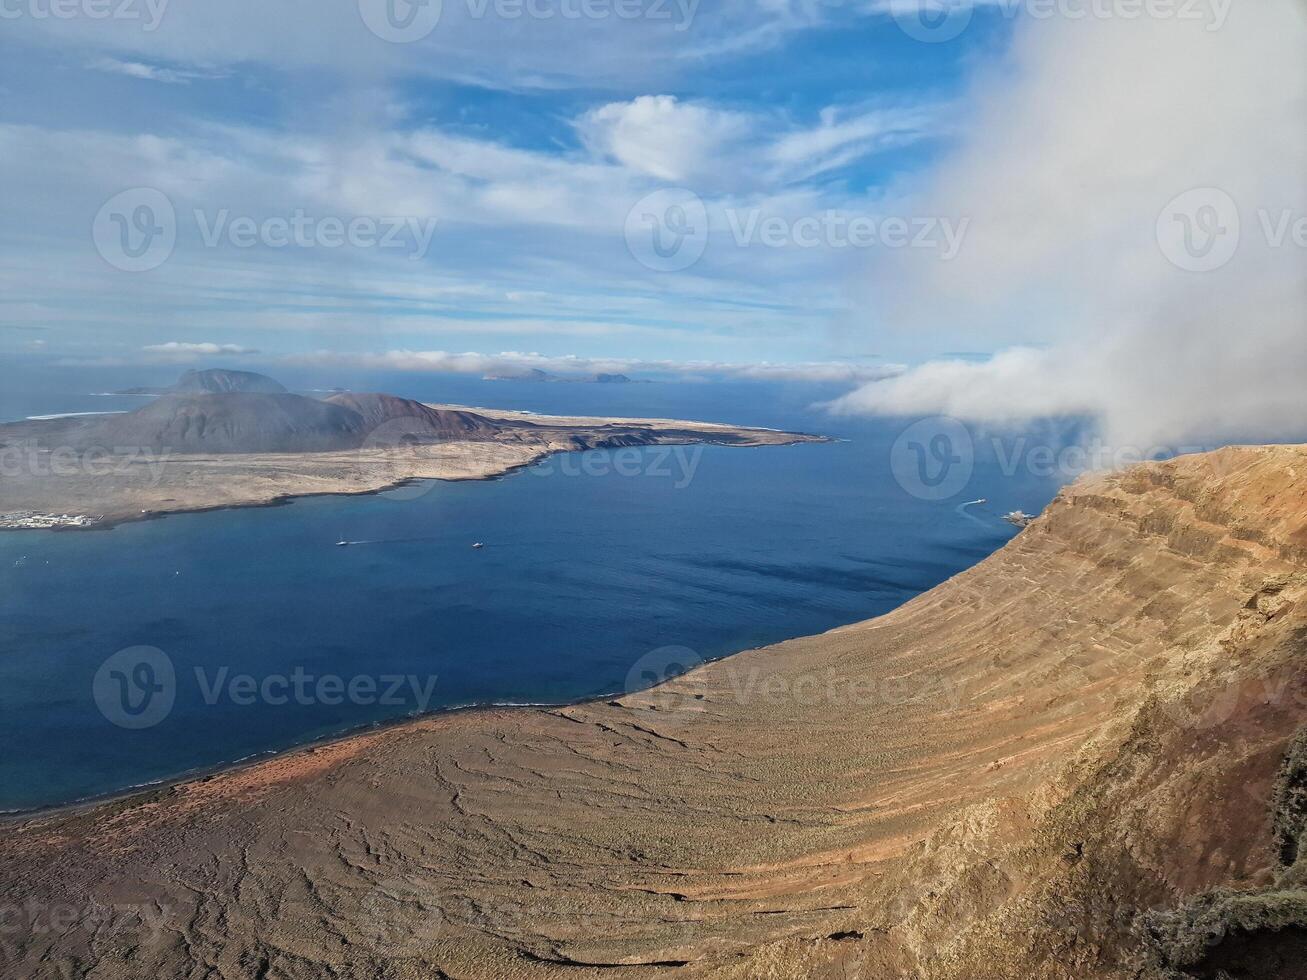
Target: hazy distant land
(536, 375)
(231, 439)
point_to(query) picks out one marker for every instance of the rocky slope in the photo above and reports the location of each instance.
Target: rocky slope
(418, 421)
(227, 422)
(1077, 760)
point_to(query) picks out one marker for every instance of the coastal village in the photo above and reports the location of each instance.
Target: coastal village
(27, 520)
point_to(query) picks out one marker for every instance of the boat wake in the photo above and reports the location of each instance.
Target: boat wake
(962, 510)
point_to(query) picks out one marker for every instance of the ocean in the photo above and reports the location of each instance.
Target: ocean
(152, 650)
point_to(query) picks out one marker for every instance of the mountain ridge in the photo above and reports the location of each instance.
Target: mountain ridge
(238, 412)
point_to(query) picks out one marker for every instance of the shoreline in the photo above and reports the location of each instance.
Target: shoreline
(286, 499)
(167, 785)
(270, 478)
(283, 500)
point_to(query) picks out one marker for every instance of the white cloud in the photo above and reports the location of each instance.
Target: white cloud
(664, 138)
(841, 138)
(1013, 386)
(934, 9)
(153, 73)
(1076, 146)
(710, 149)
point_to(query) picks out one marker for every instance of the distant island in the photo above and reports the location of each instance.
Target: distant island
(233, 438)
(535, 374)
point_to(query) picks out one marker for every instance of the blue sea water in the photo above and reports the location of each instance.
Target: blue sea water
(588, 567)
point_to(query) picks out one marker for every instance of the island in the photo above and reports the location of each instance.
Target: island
(537, 375)
(1083, 758)
(233, 439)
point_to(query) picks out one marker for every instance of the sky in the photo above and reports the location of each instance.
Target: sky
(977, 209)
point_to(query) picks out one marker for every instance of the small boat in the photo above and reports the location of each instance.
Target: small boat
(478, 546)
(342, 544)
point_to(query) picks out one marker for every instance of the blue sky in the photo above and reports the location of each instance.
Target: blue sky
(527, 141)
(841, 189)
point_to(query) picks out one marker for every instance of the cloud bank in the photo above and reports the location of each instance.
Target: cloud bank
(1105, 161)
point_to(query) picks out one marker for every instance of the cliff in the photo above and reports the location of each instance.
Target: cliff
(1076, 760)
